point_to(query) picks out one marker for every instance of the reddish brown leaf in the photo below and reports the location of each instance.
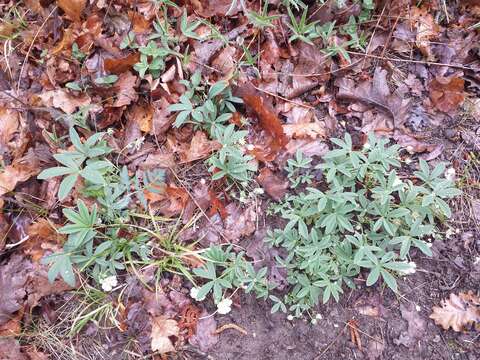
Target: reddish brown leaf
(42, 236)
(72, 8)
(205, 338)
(19, 171)
(266, 116)
(273, 184)
(118, 66)
(216, 206)
(139, 22)
(170, 202)
(126, 89)
(447, 93)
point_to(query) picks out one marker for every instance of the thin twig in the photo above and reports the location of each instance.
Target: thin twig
(284, 99)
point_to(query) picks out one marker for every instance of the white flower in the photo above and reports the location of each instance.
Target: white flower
(194, 293)
(411, 270)
(290, 317)
(258, 191)
(450, 174)
(318, 317)
(224, 306)
(408, 160)
(314, 321)
(109, 283)
(449, 233)
(366, 146)
(397, 182)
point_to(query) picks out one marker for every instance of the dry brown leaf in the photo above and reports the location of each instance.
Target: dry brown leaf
(200, 148)
(17, 172)
(72, 8)
(42, 236)
(142, 115)
(63, 100)
(10, 349)
(205, 337)
(9, 119)
(457, 312)
(427, 30)
(447, 93)
(119, 66)
(309, 130)
(162, 329)
(126, 89)
(273, 184)
(375, 93)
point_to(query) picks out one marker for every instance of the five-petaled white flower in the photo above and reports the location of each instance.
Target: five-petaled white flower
(224, 306)
(109, 283)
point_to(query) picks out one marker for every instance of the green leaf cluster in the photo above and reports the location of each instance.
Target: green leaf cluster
(226, 270)
(83, 161)
(364, 217)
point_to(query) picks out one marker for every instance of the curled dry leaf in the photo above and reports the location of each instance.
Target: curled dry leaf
(143, 116)
(10, 349)
(458, 311)
(273, 184)
(9, 125)
(268, 120)
(62, 99)
(19, 171)
(447, 93)
(72, 8)
(200, 148)
(375, 93)
(162, 329)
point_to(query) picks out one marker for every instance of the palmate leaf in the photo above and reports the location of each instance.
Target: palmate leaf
(61, 265)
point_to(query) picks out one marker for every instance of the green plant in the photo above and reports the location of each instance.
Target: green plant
(209, 110)
(297, 4)
(298, 170)
(366, 218)
(188, 29)
(261, 19)
(226, 270)
(302, 30)
(82, 162)
(230, 160)
(152, 59)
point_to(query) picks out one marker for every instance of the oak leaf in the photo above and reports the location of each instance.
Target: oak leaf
(119, 66)
(447, 93)
(162, 329)
(126, 89)
(72, 8)
(63, 100)
(457, 312)
(200, 148)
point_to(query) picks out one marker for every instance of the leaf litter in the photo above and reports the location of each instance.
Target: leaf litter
(418, 72)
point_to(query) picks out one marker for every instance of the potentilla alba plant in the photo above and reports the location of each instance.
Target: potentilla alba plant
(362, 218)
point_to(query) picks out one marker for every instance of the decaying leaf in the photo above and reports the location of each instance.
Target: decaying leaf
(13, 277)
(10, 349)
(375, 93)
(9, 125)
(162, 329)
(458, 311)
(200, 148)
(273, 184)
(72, 8)
(311, 130)
(19, 171)
(126, 89)
(427, 30)
(142, 115)
(416, 326)
(42, 236)
(447, 93)
(62, 99)
(205, 337)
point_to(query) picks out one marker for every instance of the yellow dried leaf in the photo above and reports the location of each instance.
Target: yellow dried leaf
(457, 312)
(72, 8)
(162, 329)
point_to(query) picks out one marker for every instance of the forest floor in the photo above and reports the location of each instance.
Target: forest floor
(172, 126)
